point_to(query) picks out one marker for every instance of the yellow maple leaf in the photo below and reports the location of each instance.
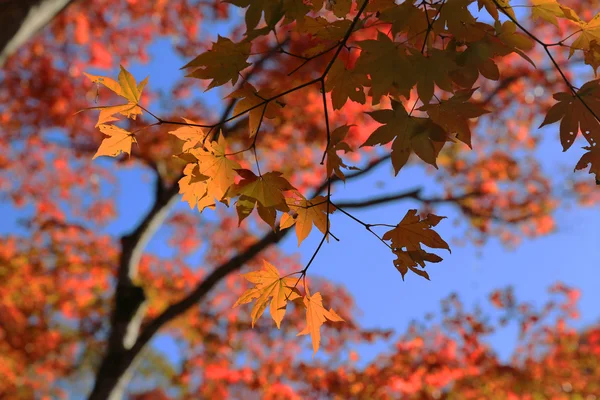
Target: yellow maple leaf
(590, 32)
(127, 88)
(316, 315)
(206, 180)
(191, 135)
(308, 213)
(118, 141)
(268, 286)
(194, 188)
(213, 162)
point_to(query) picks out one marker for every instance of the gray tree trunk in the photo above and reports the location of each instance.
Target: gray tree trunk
(21, 19)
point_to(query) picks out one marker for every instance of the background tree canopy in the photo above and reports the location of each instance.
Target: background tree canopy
(358, 131)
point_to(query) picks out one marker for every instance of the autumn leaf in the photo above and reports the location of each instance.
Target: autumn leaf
(191, 135)
(388, 65)
(432, 70)
(420, 135)
(126, 87)
(592, 158)
(321, 28)
(334, 163)
(344, 84)
(492, 8)
(194, 189)
(316, 315)
(407, 18)
(455, 15)
(254, 101)
(308, 213)
(476, 59)
(269, 286)
(590, 31)
(129, 88)
(118, 141)
(574, 116)
(453, 114)
(264, 191)
(407, 238)
(548, 10)
(208, 179)
(222, 63)
(514, 41)
(273, 11)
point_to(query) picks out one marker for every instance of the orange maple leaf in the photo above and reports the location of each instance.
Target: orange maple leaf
(316, 315)
(118, 141)
(268, 286)
(406, 240)
(308, 213)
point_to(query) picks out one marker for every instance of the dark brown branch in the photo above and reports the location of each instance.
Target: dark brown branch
(414, 194)
(128, 309)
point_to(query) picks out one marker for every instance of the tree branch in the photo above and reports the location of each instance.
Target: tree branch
(21, 19)
(130, 299)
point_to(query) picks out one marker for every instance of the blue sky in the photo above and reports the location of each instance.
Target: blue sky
(364, 265)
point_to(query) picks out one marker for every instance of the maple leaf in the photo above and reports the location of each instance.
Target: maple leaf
(107, 113)
(406, 17)
(492, 8)
(210, 176)
(592, 56)
(273, 11)
(344, 84)
(127, 88)
(592, 157)
(191, 135)
(340, 8)
(222, 63)
(430, 70)
(590, 31)
(251, 98)
(574, 115)
(334, 163)
(118, 141)
(421, 135)
(453, 114)
(307, 213)
(406, 240)
(316, 315)
(455, 15)
(476, 59)
(548, 10)
(268, 286)
(194, 189)
(321, 28)
(514, 41)
(264, 190)
(388, 66)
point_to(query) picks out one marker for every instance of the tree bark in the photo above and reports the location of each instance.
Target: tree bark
(21, 19)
